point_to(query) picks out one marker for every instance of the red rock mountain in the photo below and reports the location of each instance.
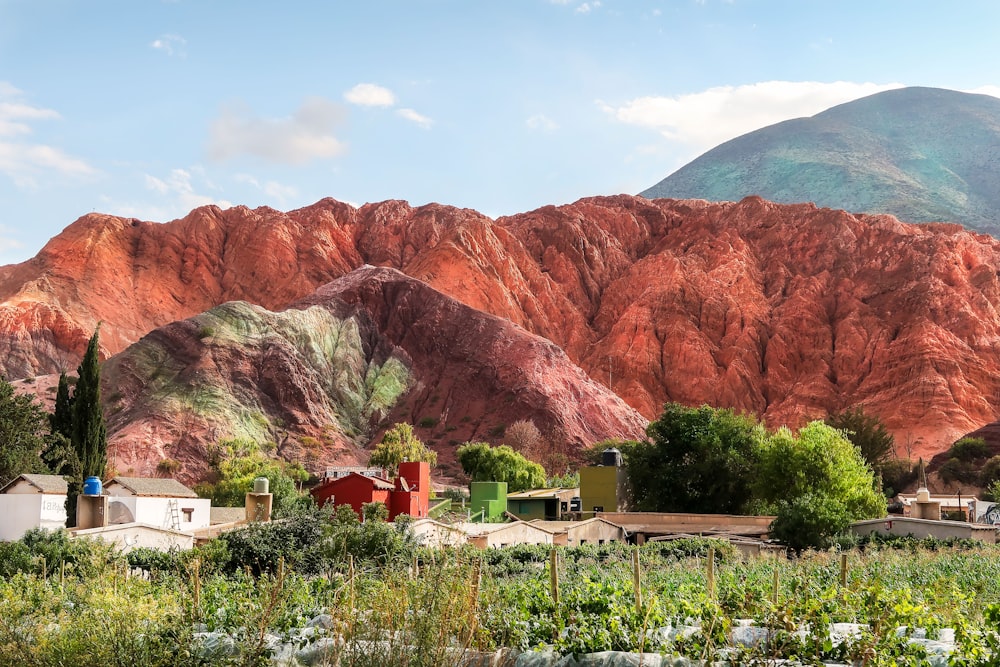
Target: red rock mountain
(786, 310)
(326, 375)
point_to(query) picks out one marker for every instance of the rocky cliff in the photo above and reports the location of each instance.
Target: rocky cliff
(324, 377)
(790, 311)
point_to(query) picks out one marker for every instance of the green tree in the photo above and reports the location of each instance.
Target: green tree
(89, 435)
(698, 460)
(398, 445)
(24, 432)
(867, 432)
(483, 463)
(815, 478)
(237, 462)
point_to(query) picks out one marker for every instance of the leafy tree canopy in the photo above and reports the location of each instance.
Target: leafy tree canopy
(483, 463)
(398, 445)
(867, 432)
(817, 461)
(238, 462)
(24, 434)
(697, 460)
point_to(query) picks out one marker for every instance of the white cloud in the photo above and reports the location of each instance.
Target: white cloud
(170, 44)
(276, 191)
(305, 136)
(541, 122)
(414, 117)
(587, 7)
(24, 161)
(705, 119)
(993, 91)
(8, 244)
(179, 186)
(370, 95)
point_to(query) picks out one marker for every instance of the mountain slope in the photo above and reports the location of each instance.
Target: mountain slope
(789, 311)
(325, 376)
(920, 154)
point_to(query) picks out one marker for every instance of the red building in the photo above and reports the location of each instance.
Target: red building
(409, 493)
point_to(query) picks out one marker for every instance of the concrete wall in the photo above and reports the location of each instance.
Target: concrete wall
(132, 536)
(156, 511)
(903, 526)
(513, 533)
(19, 512)
(594, 532)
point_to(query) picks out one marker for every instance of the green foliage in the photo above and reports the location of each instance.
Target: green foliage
(90, 438)
(483, 463)
(866, 432)
(969, 450)
(810, 520)
(698, 460)
(990, 472)
(570, 480)
(61, 420)
(238, 462)
(24, 435)
(374, 540)
(959, 470)
(897, 474)
(398, 445)
(817, 462)
(297, 541)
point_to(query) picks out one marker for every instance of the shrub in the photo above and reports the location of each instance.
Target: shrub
(959, 470)
(969, 450)
(990, 472)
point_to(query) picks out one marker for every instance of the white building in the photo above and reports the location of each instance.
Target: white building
(32, 501)
(485, 535)
(161, 503)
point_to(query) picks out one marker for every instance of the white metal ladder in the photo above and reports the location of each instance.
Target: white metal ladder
(173, 518)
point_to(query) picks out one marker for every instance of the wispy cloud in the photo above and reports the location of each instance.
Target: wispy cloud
(993, 91)
(370, 95)
(705, 119)
(414, 117)
(8, 243)
(22, 160)
(179, 186)
(587, 7)
(277, 192)
(172, 45)
(168, 196)
(541, 122)
(305, 136)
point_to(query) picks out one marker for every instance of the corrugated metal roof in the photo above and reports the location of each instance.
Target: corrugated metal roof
(44, 483)
(154, 486)
(540, 494)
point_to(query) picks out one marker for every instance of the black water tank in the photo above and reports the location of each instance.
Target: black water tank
(611, 457)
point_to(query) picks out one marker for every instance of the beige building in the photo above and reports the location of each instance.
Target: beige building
(590, 531)
(128, 536)
(431, 533)
(904, 526)
(485, 535)
(32, 501)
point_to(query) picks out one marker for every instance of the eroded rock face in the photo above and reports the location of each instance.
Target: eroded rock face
(328, 375)
(788, 311)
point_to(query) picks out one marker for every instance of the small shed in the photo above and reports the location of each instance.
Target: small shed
(544, 504)
(32, 501)
(156, 501)
(591, 531)
(485, 535)
(431, 533)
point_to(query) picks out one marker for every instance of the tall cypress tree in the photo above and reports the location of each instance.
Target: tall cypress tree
(90, 437)
(61, 421)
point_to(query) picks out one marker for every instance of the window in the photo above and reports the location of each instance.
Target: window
(187, 512)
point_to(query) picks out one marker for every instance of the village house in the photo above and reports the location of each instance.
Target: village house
(32, 501)
(595, 530)
(408, 493)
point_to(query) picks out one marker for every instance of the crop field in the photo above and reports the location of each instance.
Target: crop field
(902, 604)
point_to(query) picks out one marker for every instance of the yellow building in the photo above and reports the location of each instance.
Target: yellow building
(603, 487)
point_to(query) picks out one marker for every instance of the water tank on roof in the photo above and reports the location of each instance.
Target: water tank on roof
(260, 485)
(92, 486)
(611, 457)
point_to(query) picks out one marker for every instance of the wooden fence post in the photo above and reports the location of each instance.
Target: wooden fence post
(843, 570)
(554, 576)
(774, 593)
(637, 580)
(711, 572)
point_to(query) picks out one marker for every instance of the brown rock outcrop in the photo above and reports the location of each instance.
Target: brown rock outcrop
(786, 310)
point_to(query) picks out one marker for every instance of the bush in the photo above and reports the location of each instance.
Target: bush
(809, 521)
(897, 474)
(959, 470)
(298, 540)
(969, 450)
(990, 472)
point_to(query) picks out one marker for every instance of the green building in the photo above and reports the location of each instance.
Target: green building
(547, 504)
(488, 498)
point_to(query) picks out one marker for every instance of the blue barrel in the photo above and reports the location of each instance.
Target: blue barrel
(92, 486)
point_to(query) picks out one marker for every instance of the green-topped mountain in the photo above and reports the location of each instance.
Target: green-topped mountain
(920, 154)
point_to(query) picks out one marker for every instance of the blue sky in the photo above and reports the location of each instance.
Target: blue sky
(148, 108)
